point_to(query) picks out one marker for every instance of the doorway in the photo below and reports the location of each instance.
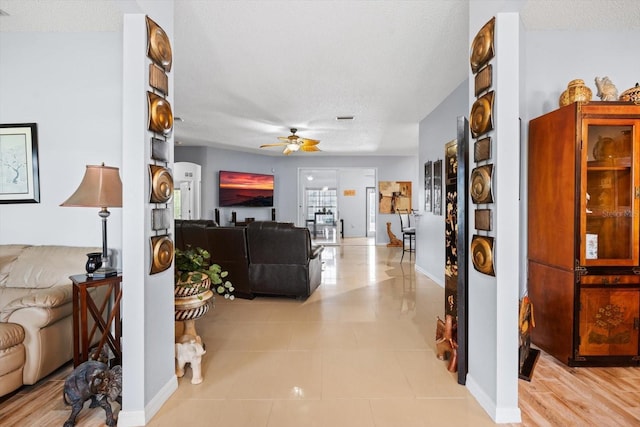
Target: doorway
(371, 212)
(318, 204)
(337, 203)
(187, 192)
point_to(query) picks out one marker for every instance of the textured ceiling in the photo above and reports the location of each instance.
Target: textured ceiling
(247, 71)
(301, 64)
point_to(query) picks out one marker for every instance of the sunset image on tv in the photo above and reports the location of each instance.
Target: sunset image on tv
(245, 189)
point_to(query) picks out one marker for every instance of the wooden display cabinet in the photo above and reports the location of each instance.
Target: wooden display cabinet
(584, 233)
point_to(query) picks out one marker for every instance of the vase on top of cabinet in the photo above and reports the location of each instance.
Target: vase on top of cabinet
(583, 233)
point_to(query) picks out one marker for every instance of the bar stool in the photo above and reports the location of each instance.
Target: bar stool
(408, 232)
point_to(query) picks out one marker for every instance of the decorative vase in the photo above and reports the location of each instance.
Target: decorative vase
(194, 283)
(94, 262)
(192, 296)
(631, 94)
(576, 91)
(194, 307)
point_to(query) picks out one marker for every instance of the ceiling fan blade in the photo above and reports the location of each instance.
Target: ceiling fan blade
(277, 144)
(309, 148)
(307, 141)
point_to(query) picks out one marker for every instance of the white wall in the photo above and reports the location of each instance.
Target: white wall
(353, 209)
(285, 169)
(148, 304)
(436, 130)
(493, 301)
(70, 85)
(576, 55)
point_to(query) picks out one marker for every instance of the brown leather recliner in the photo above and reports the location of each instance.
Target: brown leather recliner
(282, 260)
(192, 233)
(227, 246)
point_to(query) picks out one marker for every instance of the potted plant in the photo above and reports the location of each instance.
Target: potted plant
(194, 278)
(194, 274)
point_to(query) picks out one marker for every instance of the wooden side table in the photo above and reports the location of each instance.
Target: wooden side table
(84, 304)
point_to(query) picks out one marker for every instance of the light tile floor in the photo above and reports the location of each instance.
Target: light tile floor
(358, 353)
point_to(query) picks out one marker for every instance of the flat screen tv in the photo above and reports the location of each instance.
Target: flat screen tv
(245, 189)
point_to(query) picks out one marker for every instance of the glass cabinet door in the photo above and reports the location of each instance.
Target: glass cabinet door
(609, 193)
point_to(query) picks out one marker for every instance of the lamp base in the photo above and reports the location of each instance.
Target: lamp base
(101, 273)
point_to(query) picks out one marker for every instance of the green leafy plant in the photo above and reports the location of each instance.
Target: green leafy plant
(191, 266)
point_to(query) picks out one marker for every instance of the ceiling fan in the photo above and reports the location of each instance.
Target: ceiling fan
(293, 143)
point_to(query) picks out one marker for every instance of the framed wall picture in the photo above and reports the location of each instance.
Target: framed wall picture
(394, 195)
(437, 187)
(428, 186)
(19, 179)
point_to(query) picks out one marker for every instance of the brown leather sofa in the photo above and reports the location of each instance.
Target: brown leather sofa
(282, 259)
(261, 258)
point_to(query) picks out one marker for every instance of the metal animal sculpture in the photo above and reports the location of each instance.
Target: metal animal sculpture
(93, 380)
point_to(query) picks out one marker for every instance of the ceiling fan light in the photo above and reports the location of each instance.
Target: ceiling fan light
(293, 147)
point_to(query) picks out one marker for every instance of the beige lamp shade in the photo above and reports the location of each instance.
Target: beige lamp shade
(101, 188)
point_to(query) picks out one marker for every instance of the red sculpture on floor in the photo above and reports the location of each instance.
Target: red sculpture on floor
(446, 342)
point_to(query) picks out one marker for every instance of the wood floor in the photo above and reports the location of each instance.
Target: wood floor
(562, 396)
(41, 405)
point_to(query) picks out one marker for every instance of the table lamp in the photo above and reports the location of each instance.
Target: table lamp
(100, 188)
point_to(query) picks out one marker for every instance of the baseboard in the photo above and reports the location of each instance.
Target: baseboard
(131, 418)
(498, 415)
(508, 415)
(142, 417)
(430, 276)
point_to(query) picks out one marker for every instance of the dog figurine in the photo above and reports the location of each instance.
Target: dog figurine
(190, 352)
(93, 380)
